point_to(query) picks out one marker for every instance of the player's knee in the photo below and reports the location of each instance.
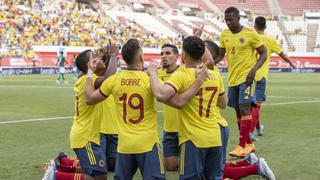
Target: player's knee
(101, 177)
(171, 164)
(111, 165)
(88, 177)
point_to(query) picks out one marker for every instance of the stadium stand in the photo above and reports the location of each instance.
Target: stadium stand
(192, 4)
(296, 7)
(256, 6)
(24, 24)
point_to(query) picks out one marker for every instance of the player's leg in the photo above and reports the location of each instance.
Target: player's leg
(260, 96)
(260, 168)
(59, 175)
(213, 163)
(246, 100)
(233, 101)
(171, 150)
(233, 96)
(192, 162)
(126, 166)
(112, 151)
(249, 160)
(92, 161)
(224, 140)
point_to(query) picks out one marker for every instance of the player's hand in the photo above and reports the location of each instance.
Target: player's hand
(250, 77)
(98, 53)
(197, 31)
(92, 64)
(202, 73)
(152, 69)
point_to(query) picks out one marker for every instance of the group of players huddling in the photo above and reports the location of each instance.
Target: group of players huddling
(115, 120)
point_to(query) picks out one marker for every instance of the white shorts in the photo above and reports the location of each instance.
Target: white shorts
(62, 70)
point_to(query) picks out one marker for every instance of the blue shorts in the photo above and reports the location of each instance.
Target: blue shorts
(150, 165)
(224, 140)
(109, 144)
(170, 144)
(260, 90)
(240, 94)
(196, 163)
(92, 160)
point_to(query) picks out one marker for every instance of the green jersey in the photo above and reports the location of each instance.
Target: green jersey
(61, 60)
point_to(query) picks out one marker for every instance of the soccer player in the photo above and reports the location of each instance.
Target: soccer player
(199, 132)
(138, 145)
(251, 165)
(170, 141)
(60, 62)
(110, 117)
(262, 74)
(240, 44)
(212, 51)
(85, 131)
(138, 138)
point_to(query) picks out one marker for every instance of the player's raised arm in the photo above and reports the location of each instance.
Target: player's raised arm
(179, 101)
(262, 58)
(161, 92)
(286, 58)
(92, 96)
(109, 56)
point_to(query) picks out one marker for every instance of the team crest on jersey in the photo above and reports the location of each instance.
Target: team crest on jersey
(241, 40)
(102, 163)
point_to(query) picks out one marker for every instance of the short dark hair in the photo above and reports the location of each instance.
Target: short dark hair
(194, 47)
(82, 60)
(232, 10)
(260, 22)
(129, 50)
(212, 47)
(174, 48)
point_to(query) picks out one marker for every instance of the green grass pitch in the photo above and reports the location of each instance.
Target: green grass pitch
(290, 115)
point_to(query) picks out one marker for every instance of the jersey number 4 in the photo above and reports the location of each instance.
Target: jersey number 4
(200, 94)
(139, 106)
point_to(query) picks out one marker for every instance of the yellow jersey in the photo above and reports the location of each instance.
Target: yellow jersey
(109, 117)
(87, 118)
(134, 101)
(220, 119)
(170, 114)
(240, 50)
(198, 121)
(272, 47)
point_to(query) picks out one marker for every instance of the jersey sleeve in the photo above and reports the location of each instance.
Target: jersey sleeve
(256, 40)
(107, 86)
(175, 81)
(275, 46)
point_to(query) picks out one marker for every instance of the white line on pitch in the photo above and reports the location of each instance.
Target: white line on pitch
(293, 102)
(292, 97)
(32, 120)
(159, 111)
(28, 86)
